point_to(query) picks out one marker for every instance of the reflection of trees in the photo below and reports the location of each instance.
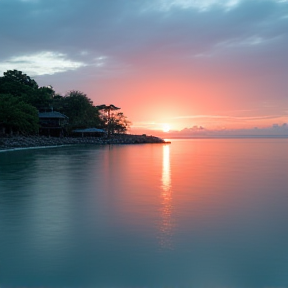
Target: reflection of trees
(166, 227)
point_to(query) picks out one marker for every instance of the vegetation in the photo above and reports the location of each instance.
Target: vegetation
(17, 115)
(21, 99)
(26, 89)
(79, 108)
(115, 122)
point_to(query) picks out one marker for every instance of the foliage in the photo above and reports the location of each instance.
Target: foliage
(119, 123)
(113, 122)
(18, 76)
(10, 86)
(79, 108)
(17, 116)
(107, 108)
(21, 97)
(22, 86)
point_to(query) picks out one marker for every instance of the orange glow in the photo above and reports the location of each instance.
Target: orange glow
(163, 184)
(213, 99)
(166, 228)
(166, 128)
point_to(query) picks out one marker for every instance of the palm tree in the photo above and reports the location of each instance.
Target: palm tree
(107, 109)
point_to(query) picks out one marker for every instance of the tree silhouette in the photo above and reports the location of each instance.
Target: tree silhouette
(108, 117)
(20, 77)
(79, 108)
(17, 116)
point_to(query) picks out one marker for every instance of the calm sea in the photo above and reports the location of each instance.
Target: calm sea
(205, 213)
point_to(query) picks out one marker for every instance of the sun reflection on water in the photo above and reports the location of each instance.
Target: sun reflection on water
(166, 226)
(166, 172)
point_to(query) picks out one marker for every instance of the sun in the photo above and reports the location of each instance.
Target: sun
(166, 128)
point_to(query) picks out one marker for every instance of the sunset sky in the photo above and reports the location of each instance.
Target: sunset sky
(216, 64)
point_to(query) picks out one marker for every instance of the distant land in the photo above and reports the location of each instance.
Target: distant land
(227, 137)
(275, 131)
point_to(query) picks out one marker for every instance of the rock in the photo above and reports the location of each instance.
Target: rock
(38, 141)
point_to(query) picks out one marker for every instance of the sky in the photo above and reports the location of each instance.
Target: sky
(183, 65)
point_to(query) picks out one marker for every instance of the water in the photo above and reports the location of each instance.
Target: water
(197, 213)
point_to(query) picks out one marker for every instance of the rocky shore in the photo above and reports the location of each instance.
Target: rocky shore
(14, 142)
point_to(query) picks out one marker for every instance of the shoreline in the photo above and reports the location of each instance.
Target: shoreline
(30, 148)
(15, 143)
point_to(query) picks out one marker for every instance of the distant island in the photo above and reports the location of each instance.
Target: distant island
(33, 116)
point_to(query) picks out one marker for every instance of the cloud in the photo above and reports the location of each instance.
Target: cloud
(30, 1)
(144, 125)
(199, 131)
(43, 63)
(214, 121)
(249, 41)
(201, 5)
(230, 118)
(121, 28)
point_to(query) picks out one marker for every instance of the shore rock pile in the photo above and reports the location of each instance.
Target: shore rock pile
(13, 142)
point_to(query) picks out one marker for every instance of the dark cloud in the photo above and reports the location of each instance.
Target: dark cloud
(125, 27)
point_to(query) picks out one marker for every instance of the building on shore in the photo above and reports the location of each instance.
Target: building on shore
(89, 132)
(52, 123)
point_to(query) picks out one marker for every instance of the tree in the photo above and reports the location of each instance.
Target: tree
(119, 123)
(26, 89)
(19, 112)
(17, 116)
(19, 77)
(113, 122)
(79, 108)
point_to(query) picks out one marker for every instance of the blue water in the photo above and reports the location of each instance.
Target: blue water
(197, 213)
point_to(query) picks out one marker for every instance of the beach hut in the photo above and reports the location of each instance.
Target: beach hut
(52, 123)
(89, 132)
